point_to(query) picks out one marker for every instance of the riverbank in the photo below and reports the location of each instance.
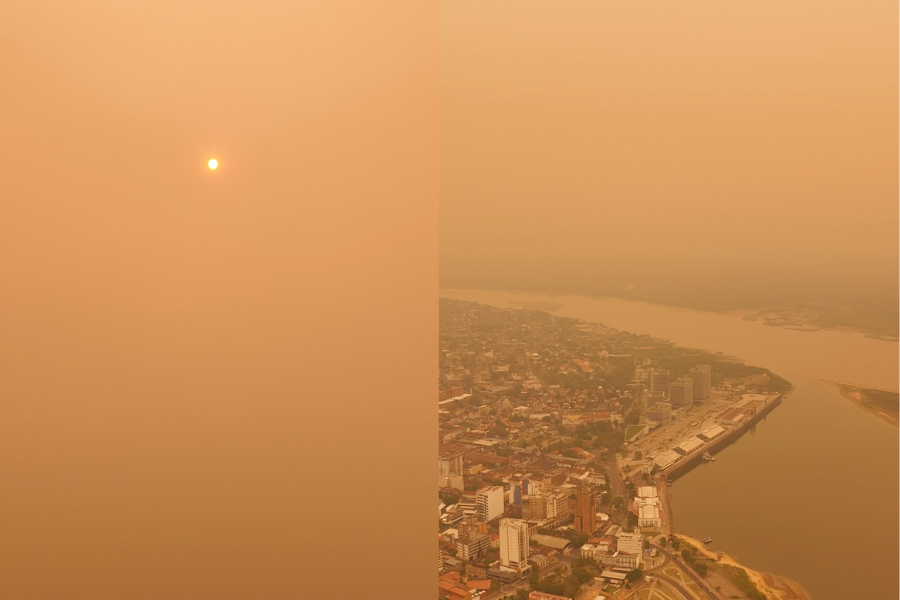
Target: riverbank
(777, 587)
(884, 404)
(824, 318)
(696, 458)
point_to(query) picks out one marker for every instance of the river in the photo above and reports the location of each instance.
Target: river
(811, 492)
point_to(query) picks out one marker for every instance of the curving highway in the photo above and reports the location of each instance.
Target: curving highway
(685, 569)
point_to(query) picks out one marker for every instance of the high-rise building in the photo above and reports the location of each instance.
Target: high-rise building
(473, 546)
(557, 505)
(701, 375)
(681, 392)
(661, 411)
(585, 508)
(654, 398)
(450, 462)
(659, 381)
(514, 543)
(489, 503)
(537, 507)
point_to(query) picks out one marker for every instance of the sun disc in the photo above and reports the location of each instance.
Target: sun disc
(213, 164)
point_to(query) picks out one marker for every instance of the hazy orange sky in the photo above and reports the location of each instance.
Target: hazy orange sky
(183, 405)
(660, 143)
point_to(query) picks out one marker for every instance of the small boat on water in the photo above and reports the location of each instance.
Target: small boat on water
(707, 540)
(708, 457)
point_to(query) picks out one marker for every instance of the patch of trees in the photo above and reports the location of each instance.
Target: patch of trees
(572, 380)
(602, 434)
(448, 498)
(556, 584)
(690, 557)
(578, 539)
(742, 581)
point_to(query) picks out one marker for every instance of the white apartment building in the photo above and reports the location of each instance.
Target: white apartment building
(514, 543)
(557, 505)
(450, 464)
(489, 503)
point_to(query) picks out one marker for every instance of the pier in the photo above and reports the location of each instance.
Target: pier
(692, 460)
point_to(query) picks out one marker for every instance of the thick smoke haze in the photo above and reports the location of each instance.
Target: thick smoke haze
(716, 155)
(189, 402)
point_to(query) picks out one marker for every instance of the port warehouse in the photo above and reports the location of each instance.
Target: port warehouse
(689, 445)
(678, 467)
(712, 433)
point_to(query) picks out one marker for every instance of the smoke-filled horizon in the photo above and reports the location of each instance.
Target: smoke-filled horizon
(710, 155)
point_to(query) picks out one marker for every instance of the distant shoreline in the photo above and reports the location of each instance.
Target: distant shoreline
(854, 393)
(740, 313)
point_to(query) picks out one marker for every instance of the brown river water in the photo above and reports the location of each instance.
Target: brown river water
(811, 492)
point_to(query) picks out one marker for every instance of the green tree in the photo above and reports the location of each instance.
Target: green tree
(632, 520)
(701, 569)
(582, 574)
(634, 575)
(579, 539)
(571, 586)
(521, 594)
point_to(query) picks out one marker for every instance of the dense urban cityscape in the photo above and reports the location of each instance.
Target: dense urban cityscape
(557, 441)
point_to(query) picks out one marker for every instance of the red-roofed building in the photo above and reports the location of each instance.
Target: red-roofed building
(453, 591)
(483, 585)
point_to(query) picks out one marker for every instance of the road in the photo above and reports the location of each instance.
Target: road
(685, 569)
(510, 588)
(616, 488)
(665, 506)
